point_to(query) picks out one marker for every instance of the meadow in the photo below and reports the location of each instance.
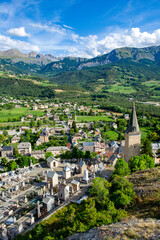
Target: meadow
(15, 113)
(93, 118)
(145, 131)
(121, 89)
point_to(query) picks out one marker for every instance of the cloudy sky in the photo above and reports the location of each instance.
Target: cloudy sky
(84, 28)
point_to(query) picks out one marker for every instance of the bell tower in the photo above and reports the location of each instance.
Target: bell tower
(132, 136)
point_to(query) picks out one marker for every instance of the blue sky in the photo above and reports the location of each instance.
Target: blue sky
(84, 28)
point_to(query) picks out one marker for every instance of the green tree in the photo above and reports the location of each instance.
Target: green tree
(122, 168)
(122, 123)
(91, 113)
(87, 154)
(88, 214)
(48, 154)
(4, 161)
(121, 191)
(100, 190)
(74, 127)
(12, 165)
(93, 155)
(16, 154)
(39, 123)
(146, 147)
(2, 138)
(32, 123)
(153, 136)
(5, 133)
(142, 162)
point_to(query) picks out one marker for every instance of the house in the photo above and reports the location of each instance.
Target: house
(97, 131)
(69, 116)
(38, 142)
(74, 141)
(44, 136)
(55, 117)
(114, 125)
(24, 148)
(48, 203)
(101, 166)
(17, 106)
(98, 138)
(7, 151)
(56, 150)
(16, 139)
(52, 177)
(82, 166)
(35, 107)
(94, 147)
(63, 191)
(41, 106)
(52, 162)
(75, 185)
(29, 115)
(38, 154)
(92, 165)
(68, 145)
(113, 160)
(70, 122)
(155, 148)
(126, 116)
(112, 146)
(22, 119)
(66, 172)
(77, 136)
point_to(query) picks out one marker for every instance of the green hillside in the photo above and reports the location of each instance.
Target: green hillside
(17, 88)
(127, 72)
(124, 77)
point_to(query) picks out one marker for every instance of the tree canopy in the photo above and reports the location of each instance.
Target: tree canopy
(122, 168)
(141, 162)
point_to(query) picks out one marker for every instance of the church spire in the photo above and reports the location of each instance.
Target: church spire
(133, 126)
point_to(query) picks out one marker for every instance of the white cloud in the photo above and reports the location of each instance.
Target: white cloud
(93, 46)
(20, 32)
(66, 26)
(54, 28)
(61, 41)
(7, 43)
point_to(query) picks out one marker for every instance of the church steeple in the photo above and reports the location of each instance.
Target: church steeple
(133, 126)
(132, 136)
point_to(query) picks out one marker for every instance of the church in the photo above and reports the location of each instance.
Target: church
(132, 136)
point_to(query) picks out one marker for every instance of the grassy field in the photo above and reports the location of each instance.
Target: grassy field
(93, 118)
(144, 131)
(152, 84)
(111, 135)
(15, 124)
(121, 89)
(17, 112)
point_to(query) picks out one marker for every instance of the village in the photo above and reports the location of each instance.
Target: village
(49, 161)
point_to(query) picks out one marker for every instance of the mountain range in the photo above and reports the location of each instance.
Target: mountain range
(50, 64)
(134, 71)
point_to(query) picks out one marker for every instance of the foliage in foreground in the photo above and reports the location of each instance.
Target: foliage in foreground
(143, 162)
(122, 168)
(136, 163)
